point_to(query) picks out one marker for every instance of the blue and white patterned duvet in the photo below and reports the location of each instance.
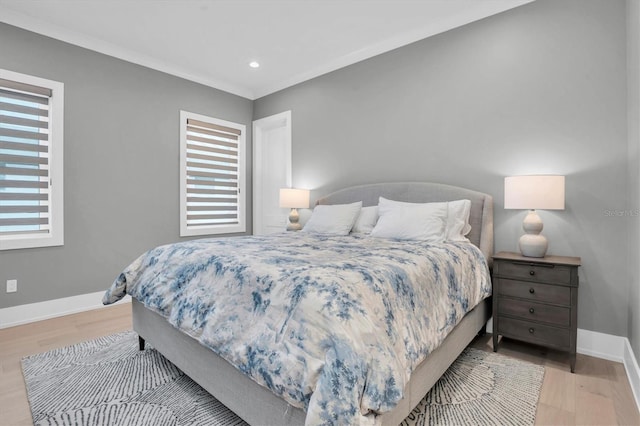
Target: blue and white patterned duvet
(334, 325)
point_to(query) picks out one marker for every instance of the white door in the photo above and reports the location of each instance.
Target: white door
(271, 171)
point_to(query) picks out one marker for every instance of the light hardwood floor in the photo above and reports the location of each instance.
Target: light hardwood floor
(598, 392)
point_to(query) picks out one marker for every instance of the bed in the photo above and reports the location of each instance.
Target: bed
(255, 402)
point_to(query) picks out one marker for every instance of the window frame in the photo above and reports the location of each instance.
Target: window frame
(55, 236)
(198, 230)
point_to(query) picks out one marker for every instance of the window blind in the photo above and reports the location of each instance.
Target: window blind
(25, 182)
(212, 174)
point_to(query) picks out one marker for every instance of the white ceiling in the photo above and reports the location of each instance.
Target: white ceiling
(213, 41)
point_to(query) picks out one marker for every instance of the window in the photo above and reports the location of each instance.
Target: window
(211, 175)
(31, 161)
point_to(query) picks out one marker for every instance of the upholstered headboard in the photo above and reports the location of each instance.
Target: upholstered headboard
(480, 219)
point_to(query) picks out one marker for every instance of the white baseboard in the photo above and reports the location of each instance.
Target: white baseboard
(606, 346)
(601, 345)
(633, 371)
(23, 314)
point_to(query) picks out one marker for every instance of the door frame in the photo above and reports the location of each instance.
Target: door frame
(260, 127)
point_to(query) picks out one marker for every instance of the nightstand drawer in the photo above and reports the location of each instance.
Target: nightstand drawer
(535, 333)
(545, 273)
(534, 311)
(534, 291)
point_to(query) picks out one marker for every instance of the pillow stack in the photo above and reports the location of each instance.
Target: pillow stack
(431, 222)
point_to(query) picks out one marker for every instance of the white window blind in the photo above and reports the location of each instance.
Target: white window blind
(212, 166)
(29, 196)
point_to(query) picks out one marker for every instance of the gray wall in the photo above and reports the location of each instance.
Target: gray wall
(537, 89)
(633, 99)
(121, 163)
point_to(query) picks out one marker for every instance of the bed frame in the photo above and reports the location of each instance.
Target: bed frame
(256, 404)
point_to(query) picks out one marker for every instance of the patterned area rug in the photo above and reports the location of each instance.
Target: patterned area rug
(108, 381)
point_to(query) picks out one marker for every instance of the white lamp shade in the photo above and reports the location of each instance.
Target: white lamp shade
(294, 198)
(542, 192)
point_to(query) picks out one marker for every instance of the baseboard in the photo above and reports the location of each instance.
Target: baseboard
(633, 371)
(601, 345)
(23, 314)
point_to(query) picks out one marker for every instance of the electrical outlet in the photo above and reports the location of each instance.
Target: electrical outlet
(12, 286)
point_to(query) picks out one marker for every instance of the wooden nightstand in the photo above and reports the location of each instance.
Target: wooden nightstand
(536, 300)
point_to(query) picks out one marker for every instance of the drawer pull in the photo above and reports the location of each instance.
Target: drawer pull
(532, 272)
(537, 265)
(531, 310)
(531, 330)
(532, 290)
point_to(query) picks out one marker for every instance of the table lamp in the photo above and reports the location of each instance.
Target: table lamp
(294, 199)
(543, 192)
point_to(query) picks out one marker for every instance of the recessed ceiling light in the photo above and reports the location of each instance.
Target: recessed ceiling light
(254, 64)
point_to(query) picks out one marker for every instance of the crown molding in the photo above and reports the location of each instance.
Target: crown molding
(38, 26)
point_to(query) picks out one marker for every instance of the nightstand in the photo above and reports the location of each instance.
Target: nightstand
(536, 300)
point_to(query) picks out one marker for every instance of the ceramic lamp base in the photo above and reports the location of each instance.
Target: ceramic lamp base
(293, 221)
(532, 244)
(293, 227)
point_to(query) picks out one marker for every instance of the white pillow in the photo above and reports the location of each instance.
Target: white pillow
(411, 221)
(458, 220)
(336, 219)
(366, 220)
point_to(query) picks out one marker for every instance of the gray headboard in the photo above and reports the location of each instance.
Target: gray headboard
(480, 219)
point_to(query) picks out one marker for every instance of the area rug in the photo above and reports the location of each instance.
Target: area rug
(108, 381)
